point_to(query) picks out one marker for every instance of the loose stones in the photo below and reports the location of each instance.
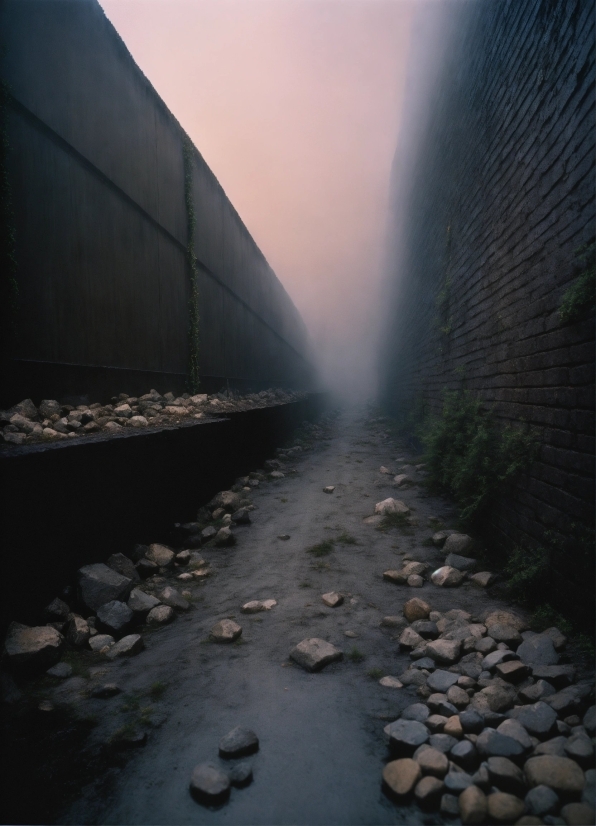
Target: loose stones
(238, 743)
(114, 615)
(391, 506)
(314, 654)
(400, 776)
(208, 784)
(257, 605)
(444, 652)
(538, 719)
(447, 577)
(170, 596)
(126, 647)
(160, 615)
(141, 603)
(473, 805)
(225, 630)
(37, 647)
(390, 682)
(558, 773)
(332, 599)
(416, 609)
(161, 555)
(406, 735)
(441, 681)
(99, 584)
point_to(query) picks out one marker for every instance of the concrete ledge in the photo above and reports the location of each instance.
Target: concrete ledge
(70, 503)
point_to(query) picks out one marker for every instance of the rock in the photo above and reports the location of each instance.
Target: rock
(461, 563)
(401, 776)
(441, 681)
(145, 568)
(432, 762)
(541, 801)
(393, 622)
(101, 641)
(57, 610)
(538, 719)
(506, 775)
(453, 727)
(114, 615)
(208, 784)
(442, 742)
(224, 537)
(538, 691)
(208, 533)
(505, 808)
(77, 630)
(241, 774)
(141, 603)
(512, 728)
(314, 654)
(505, 618)
(501, 632)
(439, 704)
(424, 662)
(417, 711)
(492, 660)
(457, 781)
(196, 561)
(436, 723)
(241, 517)
(238, 743)
(160, 615)
(406, 735)
(229, 500)
(471, 722)
(458, 543)
(397, 577)
(170, 596)
(558, 773)
(33, 648)
(465, 755)
(161, 555)
(447, 577)
(49, 408)
(332, 599)
(258, 605)
(329, 489)
(416, 609)
(439, 537)
(415, 581)
(99, 584)
(559, 640)
(554, 746)
(538, 650)
(428, 790)
(589, 720)
(473, 805)
(578, 814)
(558, 675)
(60, 670)
(589, 792)
(500, 697)
(482, 579)
(458, 697)
(391, 506)
(444, 652)
(413, 677)
(390, 682)
(410, 639)
(450, 806)
(123, 565)
(564, 702)
(581, 749)
(512, 671)
(225, 630)
(126, 647)
(105, 691)
(491, 743)
(402, 479)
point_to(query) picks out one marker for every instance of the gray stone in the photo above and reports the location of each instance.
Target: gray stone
(447, 577)
(442, 742)
(332, 599)
(578, 814)
(427, 791)
(170, 596)
(313, 654)
(581, 749)
(406, 735)
(146, 568)
(490, 662)
(589, 720)
(115, 615)
(426, 629)
(126, 647)
(225, 630)
(554, 746)
(538, 650)
(482, 778)
(394, 622)
(473, 805)
(439, 704)
(224, 537)
(458, 543)
(141, 603)
(238, 743)
(208, 533)
(77, 630)
(465, 755)
(491, 743)
(500, 697)
(400, 776)
(458, 697)
(241, 774)
(450, 807)
(589, 792)
(444, 652)
(105, 690)
(49, 408)
(123, 565)
(482, 579)
(441, 681)
(462, 563)
(241, 517)
(417, 711)
(557, 675)
(99, 584)
(558, 773)
(424, 662)
(208, 784)
(512, 671)
(432, 761)
(32, 648)
(504, 807)
(559, 640)
(457, 781)
(161, 555)
(512, 728)
(471, 721)
(57, 610)
(541, 801)
(538, 719)
(501, 632)
(60, 670)
(538, 691)
(160, 615)
(100, 641)
(410, 639)
(413, 676)
(506, 776)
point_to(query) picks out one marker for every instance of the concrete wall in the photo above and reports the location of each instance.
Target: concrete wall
(97, 174)
(485, 247)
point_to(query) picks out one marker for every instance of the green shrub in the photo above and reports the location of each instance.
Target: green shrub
(469, 456)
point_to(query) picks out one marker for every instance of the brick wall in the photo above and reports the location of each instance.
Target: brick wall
(500, 200)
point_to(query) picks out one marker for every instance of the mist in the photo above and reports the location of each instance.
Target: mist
(297, 107)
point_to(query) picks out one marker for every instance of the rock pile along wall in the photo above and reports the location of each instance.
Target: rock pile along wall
(489, 215)
(104, 182)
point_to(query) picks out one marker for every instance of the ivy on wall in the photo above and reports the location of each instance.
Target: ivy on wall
(193, 303)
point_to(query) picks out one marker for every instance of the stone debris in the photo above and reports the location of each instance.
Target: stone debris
(141, 603)
(390, 682)
(329, 489)
(126, 647)
(224, 537)
(416, 609)
(332, 599)
(115, 616)
(77, 630)
(101, 641)
(482, 579)
(225, 630)
(405, 736)
(37, 647)
(208, 784)
(99, 584)
(60, 670)
(314, 654)
(258, 605)
(160, 555)
(401, 776)
(160, 615)
(241, 774)
(388, 506)
(170, 596)
(447, 577)
(458, 543)
(238, 743)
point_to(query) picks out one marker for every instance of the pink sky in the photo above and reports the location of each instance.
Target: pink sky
(295, 106)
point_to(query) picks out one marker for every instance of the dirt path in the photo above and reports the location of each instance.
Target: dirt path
(322, 747)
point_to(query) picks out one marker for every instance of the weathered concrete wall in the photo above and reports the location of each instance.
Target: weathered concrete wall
(98, 181)
(500, 200)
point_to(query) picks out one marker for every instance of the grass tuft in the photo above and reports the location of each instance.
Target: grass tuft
(355, 655)
(323, 548)
(375, 673)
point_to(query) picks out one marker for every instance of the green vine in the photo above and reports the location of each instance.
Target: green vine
(193, 303)
(9, 287)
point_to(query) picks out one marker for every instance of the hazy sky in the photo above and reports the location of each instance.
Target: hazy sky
(295, 106)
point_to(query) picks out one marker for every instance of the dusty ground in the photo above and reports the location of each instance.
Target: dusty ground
(322, 747)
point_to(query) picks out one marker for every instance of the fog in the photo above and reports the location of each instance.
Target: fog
(297, 107)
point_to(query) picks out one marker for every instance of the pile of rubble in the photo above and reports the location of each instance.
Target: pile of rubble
(24, 423)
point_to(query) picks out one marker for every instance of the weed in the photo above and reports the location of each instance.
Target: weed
(545, 616)
(346, 539)
(77, 661)
(375, 673)
(145, 716)
(355, 655)
(529, 574)
(305, 585)
(283, 500)
(131, 703)
(157, 690)
(579, 298)
(320, 566)
(127, 730)
(323, 548)
(359, 461)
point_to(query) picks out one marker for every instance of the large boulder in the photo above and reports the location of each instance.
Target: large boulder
(33, 648)
(99, 584)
